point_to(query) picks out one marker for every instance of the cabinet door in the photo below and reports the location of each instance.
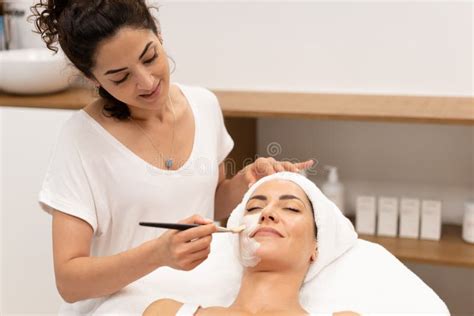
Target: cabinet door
(27, 138)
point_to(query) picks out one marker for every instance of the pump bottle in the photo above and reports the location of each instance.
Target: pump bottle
(333, 189)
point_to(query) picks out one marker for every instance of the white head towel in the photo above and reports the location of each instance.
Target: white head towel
(336, 234)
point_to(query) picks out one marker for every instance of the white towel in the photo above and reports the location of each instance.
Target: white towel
(336, 234)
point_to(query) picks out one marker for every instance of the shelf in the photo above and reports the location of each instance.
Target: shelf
(423, 109)
(248, 104)
(71, 99)
(451, 250)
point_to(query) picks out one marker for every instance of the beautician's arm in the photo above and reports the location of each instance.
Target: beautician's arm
(229, 193)
(80, 276)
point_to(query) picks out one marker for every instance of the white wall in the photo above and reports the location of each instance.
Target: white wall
(422, 47)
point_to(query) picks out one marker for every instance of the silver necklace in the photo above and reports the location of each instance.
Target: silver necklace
(169, 161)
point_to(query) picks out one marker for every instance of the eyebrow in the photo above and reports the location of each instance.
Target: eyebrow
(282, 197)
(258, 197)
(113, 71)
(289, 197)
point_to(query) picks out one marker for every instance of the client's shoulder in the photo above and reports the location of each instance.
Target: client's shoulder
(163, 307)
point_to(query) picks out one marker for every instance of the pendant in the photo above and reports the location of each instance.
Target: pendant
(169, 163)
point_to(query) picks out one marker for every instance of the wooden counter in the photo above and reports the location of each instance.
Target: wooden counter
(71, 99)
(248, 104)
(450, 250)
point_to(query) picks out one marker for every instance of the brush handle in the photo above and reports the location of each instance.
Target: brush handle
(169, 225)
(181, 226)
(223, 230)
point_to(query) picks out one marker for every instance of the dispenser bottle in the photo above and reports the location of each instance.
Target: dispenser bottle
(333, 189)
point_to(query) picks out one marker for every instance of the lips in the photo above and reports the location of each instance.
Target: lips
(152, 92)
(266, 231)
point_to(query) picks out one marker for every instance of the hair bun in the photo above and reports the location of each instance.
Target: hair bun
(46, 14)
(58, 7)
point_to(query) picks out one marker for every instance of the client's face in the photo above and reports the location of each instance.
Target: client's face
(284, 225)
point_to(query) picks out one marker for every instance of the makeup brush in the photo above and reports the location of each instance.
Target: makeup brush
(234, 230)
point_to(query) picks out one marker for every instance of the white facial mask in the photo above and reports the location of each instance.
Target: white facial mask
(248, 246)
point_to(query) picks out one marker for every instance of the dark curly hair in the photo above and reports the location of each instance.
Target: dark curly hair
(79, 26)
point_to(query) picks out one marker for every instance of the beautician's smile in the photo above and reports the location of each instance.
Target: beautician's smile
(153, 94)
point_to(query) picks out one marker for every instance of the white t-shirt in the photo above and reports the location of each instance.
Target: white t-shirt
(94, 177)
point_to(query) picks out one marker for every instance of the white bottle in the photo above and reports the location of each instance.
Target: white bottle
(430, 219)
(366, 214)
(387, 223)
(468, 223)
(333, 189)
(409, 218)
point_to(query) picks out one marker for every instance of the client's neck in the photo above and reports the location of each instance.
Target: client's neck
(269, 291)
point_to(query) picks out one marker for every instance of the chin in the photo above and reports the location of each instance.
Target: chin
(274, 263)
(270, 252)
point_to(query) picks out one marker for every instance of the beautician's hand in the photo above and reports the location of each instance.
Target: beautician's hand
(185, 250)
(266, 166)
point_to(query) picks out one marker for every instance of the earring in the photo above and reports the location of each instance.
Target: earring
(314, 255)
(96, 91)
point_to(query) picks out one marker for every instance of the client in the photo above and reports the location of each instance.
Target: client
(277, 249)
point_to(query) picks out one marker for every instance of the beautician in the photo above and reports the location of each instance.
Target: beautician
(146, 150)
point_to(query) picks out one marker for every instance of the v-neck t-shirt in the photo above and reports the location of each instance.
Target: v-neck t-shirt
(93, 176)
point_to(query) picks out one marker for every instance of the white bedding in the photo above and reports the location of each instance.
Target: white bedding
(366, 279)
(370, 280)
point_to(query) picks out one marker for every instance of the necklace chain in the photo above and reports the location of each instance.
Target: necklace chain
(169, 161)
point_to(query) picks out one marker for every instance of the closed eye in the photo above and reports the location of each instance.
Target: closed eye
(292, 209)
(152, 59)
(253, 209)
(121, 80)
(148, 61)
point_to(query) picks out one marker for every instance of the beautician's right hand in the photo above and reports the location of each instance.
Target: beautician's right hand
(185, 250)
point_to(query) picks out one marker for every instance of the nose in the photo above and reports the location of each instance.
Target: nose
(145, 80)
(268, 215)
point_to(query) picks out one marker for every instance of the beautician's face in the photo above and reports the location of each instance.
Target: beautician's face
(285, 224)
(131, 65)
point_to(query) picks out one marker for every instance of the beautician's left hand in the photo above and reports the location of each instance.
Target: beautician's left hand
(266, 166)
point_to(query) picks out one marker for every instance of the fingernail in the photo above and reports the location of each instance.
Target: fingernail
(208, 220)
